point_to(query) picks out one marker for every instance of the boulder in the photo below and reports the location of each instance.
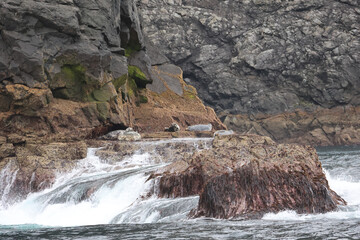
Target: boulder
(248, 176)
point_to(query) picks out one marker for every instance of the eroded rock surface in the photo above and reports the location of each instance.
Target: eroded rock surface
(76, 69)
(262, 56)
(247, 176)
(33, 167)
(336, 126)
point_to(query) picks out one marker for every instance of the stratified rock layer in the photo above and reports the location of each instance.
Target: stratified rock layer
(336, 126)
(263, 56)
(247, 176)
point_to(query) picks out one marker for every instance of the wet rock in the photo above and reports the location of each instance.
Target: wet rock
(34, 167)
(200, 127)
(7, 150)
(164, 151)
(173, 128)
(248, 176)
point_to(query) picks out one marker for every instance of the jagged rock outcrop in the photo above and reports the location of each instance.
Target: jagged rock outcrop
(247, 176)
(77, 68)
(33, 167)
(264, 57)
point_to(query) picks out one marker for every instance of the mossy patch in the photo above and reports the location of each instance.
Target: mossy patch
(139, 77)
(131, 48)
(143, 99)
(119, 82)
(132, 87)
(105, 94)
(190, 92)
(103, 109)
(72, 77)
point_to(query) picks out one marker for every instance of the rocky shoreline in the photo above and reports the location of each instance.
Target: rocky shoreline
(246, 176)
(72, 71)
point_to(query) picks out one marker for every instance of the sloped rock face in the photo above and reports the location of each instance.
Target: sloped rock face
(262, 57)
(247, 176)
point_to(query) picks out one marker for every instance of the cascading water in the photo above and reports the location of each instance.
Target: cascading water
(111, 199)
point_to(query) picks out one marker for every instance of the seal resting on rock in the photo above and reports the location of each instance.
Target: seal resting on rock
(173, 128)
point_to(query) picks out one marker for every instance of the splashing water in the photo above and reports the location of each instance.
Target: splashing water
(115, 195)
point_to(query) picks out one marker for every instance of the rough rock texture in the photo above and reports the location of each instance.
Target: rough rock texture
(33, 167)
(163, 151)
(336, 126)
(76, 68)
(247, 176)
(262, 56)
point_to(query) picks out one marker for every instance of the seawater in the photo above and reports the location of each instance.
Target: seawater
(119, 208)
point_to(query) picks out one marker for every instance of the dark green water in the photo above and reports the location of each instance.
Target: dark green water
(166, 219)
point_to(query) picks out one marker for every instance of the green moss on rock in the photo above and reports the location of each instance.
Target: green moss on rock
(73, 83)
(132, 87)
(103, 109)
(139, 77)
(143, 99)
(132, 48)
(119, 82)
(105, 94)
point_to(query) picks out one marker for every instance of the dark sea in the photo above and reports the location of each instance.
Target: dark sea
(117, 210)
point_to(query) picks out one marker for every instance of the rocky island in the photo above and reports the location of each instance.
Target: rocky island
(72, 71)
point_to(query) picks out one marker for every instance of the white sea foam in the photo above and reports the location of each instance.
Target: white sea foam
(116, 194)
(348, 190)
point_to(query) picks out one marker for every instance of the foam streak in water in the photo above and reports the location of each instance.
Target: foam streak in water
(7, 178)
(94, 193)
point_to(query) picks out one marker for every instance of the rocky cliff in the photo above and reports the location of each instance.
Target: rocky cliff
(255, 60)
(77, 69)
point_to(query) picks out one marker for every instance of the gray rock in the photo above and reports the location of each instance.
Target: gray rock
(200, 127)
(261, 56)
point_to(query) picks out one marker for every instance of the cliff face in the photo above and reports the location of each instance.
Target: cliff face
(257, 59)
(77, 68)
